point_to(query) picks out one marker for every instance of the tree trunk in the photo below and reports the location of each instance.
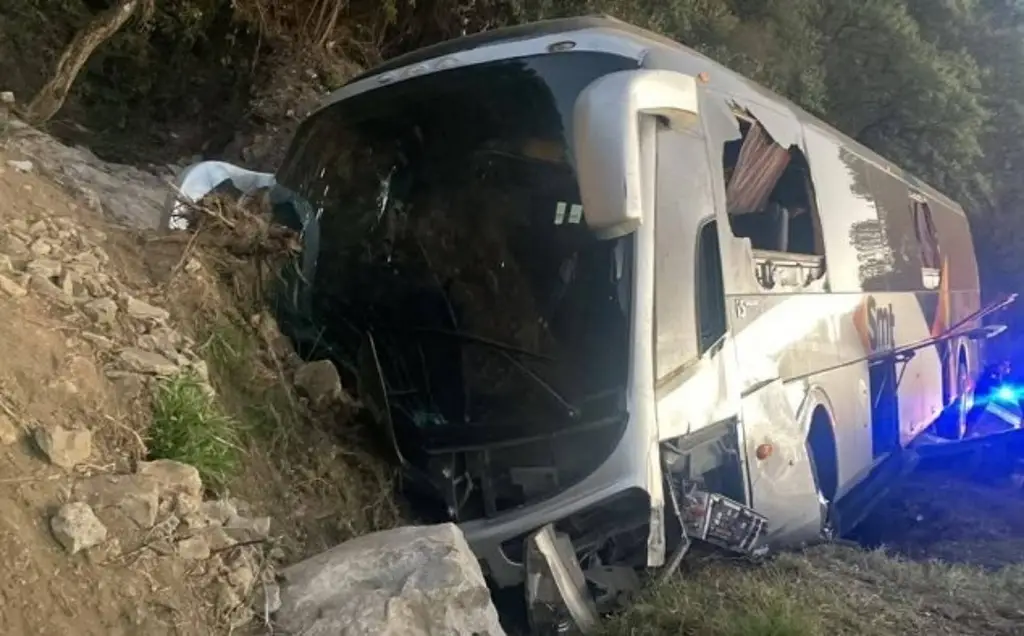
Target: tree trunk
(50, 97)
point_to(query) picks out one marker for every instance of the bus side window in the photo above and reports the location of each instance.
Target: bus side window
(710, 287)
(769, 194)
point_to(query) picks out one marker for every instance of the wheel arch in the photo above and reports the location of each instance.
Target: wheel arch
(821, 440)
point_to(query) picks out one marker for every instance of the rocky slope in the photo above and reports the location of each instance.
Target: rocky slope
(98, 540)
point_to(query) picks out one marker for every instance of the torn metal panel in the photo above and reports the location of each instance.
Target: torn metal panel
(720, 521)
(718, 119)
(782, 126)
(557, 598)
(783, 484)
(720, 126)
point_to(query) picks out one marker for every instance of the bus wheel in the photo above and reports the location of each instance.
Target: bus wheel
(952, 423)
(821, 445)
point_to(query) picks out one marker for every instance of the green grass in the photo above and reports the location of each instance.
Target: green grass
(315, 475)
(259, 398)
(189, 426)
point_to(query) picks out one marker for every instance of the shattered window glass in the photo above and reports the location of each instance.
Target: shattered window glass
(451, 228)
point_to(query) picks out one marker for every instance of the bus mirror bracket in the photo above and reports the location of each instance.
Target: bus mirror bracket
(614, 122)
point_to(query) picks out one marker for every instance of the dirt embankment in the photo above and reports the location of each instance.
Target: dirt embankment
(119, 348)
(157, 462)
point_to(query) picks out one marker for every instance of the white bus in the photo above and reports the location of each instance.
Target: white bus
(590, 280)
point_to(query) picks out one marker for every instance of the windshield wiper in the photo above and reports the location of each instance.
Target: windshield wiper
(570, 410)
(507, 351)
(486, 342)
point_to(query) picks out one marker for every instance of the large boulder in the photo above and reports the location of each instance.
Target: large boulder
(411, 581)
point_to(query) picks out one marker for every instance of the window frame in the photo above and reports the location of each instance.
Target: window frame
(699, 300)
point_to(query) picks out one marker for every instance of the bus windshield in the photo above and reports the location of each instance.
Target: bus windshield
(450, 228)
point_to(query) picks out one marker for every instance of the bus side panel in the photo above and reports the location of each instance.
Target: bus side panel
(907, 314)
(961, 272)
(857, 257)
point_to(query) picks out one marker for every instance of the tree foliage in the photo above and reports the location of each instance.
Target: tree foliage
(935, 85)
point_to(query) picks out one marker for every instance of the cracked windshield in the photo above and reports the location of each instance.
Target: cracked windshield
(450, 226)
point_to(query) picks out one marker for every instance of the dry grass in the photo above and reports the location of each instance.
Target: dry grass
(833, 591)
(953, 563)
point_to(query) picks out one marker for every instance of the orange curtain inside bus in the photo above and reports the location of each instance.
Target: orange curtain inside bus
(760, 164)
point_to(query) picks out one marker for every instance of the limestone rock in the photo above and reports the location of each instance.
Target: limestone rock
(173, 477)
(101, 310)
(148, 362)
(141, 310)
(219, 511)
(242, 577)
(13, 246)
(194, 548)
(71, 283)
(319, 381)
(41, 247)
(45, 288)
(137, 497)
(63, 447)
(86, 261)
(11, 288)
(163, 340)
(21, 166)
(217, 538)
(413, 581)
(9, 432)
(267, 599)
(246, 529)
(45, 267)
(77, 528)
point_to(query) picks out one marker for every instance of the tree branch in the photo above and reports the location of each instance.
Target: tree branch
(51, 96)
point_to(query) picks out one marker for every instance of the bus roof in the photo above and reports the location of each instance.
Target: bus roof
(731, 82)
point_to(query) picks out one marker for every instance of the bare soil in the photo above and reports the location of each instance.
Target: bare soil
(50, 374)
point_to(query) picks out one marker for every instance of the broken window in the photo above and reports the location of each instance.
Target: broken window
(769, 194)
(927, 237)
(456, 274)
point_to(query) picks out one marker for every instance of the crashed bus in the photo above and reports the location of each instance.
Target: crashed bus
(605, 297)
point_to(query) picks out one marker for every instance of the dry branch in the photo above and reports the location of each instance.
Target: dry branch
(51, 96)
